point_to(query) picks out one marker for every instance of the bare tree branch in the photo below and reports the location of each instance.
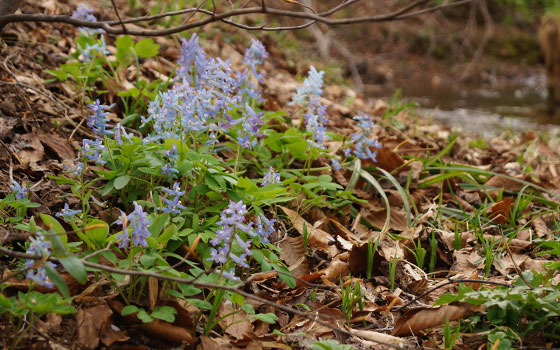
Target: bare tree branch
(226, 17)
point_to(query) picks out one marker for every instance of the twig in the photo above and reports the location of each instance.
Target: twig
(118, 16)
(402, 13)
(450, 281)
(233, 289)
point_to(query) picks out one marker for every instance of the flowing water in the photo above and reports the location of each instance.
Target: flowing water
(487, 111)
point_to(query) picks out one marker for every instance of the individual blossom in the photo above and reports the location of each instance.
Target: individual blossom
(67, 213)
(169, 171)
(230, 275)
(312, 87)
(120, 132)
(123, 236)
(20, 191)
(85, 13)
(139, 224)
(89, 50)
(174, 205)
(270, 177)
(171, 153)
(335, 164)
(92, 150)
(76, 169)
(361, 144)
(97, 121)
(38, 246)
(265, 228)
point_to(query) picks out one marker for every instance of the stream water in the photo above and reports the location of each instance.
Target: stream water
(487, 111)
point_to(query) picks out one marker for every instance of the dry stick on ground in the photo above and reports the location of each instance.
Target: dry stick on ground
(234, 289)
(400, 14)
(449, 281)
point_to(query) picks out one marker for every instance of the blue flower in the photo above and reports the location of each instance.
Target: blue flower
(20, 191)
(92, 150)
(85, 13)
(315, 119)
(227, 236)
(39, 246)
(265, 228)
(191, 53)
(173, 205)
(270, 177)
(312, 87)
(228, 274)
(119, 133)
(97, 121)
(66, 212)
(76, 170)
(360, 143)
(123, 236)
(172, 153)
(255, 56)
(169, 171)
(335, 164)
(97, 47)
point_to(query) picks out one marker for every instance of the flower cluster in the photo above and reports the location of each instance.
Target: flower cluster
(38, 246)
(361, 143)
(255, 56)
(92, 150)
(205, 93)
(140, 224)
(270, 177)
(315, 120)
(20, 191)
(97, 121)
(251, 128)
(174, 205)
(312, 87)
(228, 236)
(85, 13)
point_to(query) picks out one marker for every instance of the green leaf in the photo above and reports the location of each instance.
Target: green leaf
(59, 282)
(146, 48)
(166, 313)
(267, 318)
(75, 267)
(237, 299)
(98, 234)
(201, 304)
(188, 290)
(129, 309)
(124, 44)
(143, 316)
(53, 224)
(169, 232)
(121, 181)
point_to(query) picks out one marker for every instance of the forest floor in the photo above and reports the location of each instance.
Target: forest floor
(469, 222)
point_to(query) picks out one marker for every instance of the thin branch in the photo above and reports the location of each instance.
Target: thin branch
(118, 16)
(450, 281)
(399, 14)
(234, 289)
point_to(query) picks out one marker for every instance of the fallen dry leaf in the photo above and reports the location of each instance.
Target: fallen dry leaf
(318, 239)
(293, 254)
(94, 324)
(415, 320)
(234, 322)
